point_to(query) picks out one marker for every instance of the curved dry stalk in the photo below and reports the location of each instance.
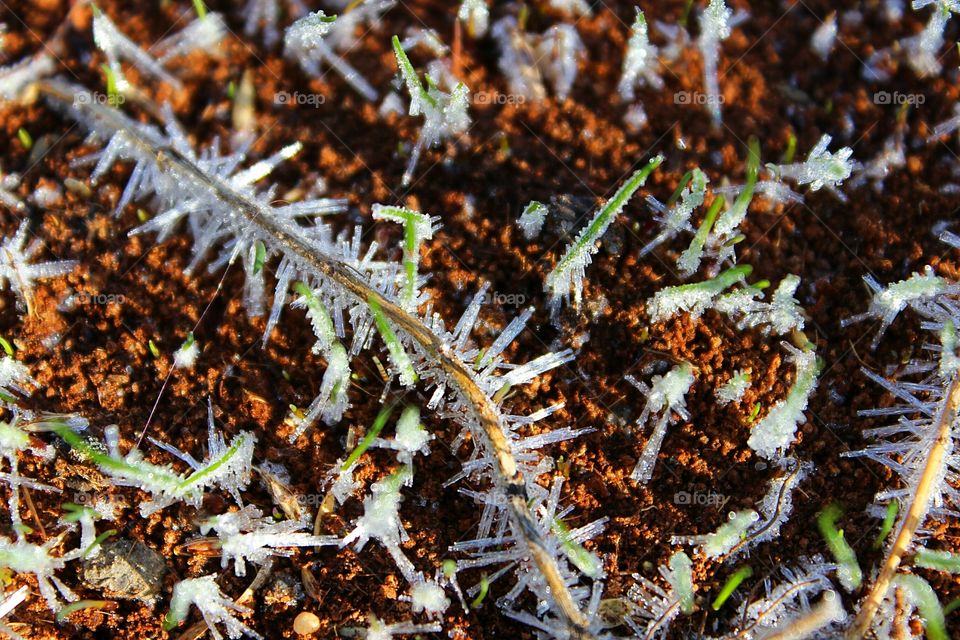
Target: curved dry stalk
(916, 514)
(508, 477)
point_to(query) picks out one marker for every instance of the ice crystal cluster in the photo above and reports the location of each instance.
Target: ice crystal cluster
(714, 28)
(528, 59)
(666, 395)
(19, 272)
(822, 168)
(640, 64)
(774, 433)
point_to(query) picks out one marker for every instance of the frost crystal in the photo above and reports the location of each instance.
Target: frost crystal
(266, 13)
(16, 77)
(748, 528)
(822, 168)
(658, 606)
(734, 388)
(694, 298)
(476, 15)
(246, 535)
(378, 630)
(411, 438)
(569, 272)
(782, 315)
(444, 112)
(788, 597)
(532, 218)
(557, 51)
(14, 378)
(186, 356)
(527, 58)
(16, 271)
(572, 7)
(920, 289)
(674, 219)
(665, 395)
(24, 557)
(306, 42)
(714, 28)
(923, 50)
(775, 432)
(205, 594)
(227, 467)
(428, 597)
(824, 37)
(640, 65)
(15, 437)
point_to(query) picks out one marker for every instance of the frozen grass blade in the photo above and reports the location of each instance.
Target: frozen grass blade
(569, 272)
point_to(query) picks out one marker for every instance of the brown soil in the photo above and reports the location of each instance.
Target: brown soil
(94, 359)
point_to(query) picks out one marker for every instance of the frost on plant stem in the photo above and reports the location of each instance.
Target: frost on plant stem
(527, 59)
(666, 395)
(923, 50)
(229, 217)
(572, 7)
(781, 316)
(674, 216)
(714, 28)
(15, 378)
(658, 607)
(377, 629)
(948, 126)
(8, 605)
(689, 261)
(19, 274)
(557, 51)
(23, 557)
(496, 548)
(247, 536)
(532, 218)
(16, 77)
(848, 569)
(186, 356)
(640, 64)
(733, 389)
(783, 600)
(411, 437)
(823, 39)
(694, 298)
(306, 42)
(920, 290)
(226, 467)
(879, 168)
(748, 528)
(725, 230)
(776, 430)
(265, 14)
(203, 33)
(216, 608)
(569, 272)
(16, 438)
(475, 14)
(417, 227)
(8, 183)
(332, 401)
(444, 112)
(821, 168)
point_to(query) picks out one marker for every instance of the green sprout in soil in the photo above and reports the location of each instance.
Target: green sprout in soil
(849, 572)
(731, 585)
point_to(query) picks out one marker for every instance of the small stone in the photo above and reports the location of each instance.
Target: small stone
(284, 591)
(126, 569)
(306, 623)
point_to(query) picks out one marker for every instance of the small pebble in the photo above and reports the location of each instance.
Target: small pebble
(306, 623)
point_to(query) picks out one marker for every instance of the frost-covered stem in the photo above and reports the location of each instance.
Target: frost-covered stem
(916, 514)
(507, 477)
(828, 610)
